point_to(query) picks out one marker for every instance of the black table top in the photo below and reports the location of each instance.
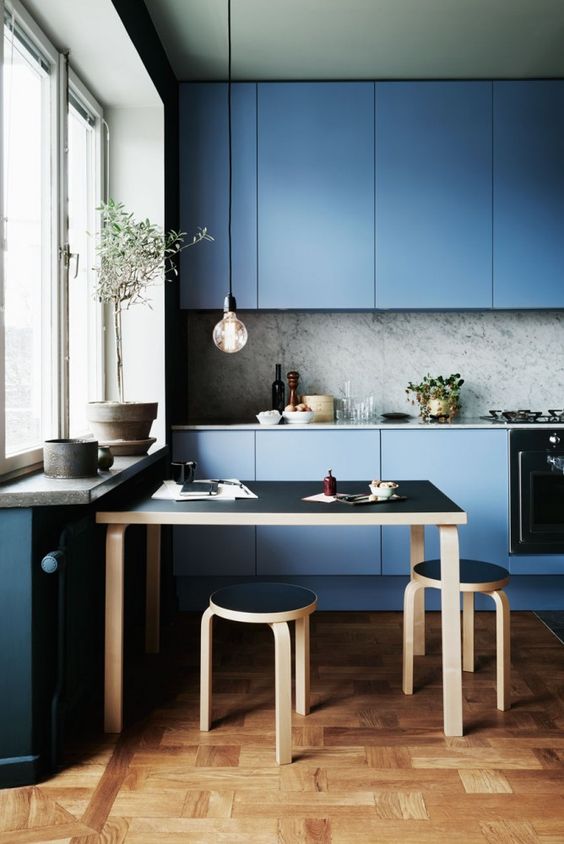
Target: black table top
(280, 502)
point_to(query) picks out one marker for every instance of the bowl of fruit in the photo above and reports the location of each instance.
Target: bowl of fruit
(299, 414)
(383, 489)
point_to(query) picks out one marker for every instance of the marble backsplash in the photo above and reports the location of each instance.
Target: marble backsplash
(508, 359)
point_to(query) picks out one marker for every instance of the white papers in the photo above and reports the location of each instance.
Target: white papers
(170, 491)
(324, 499)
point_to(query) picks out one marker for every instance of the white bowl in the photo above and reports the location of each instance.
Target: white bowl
(269, 417)
(298, 417)
(383, 491)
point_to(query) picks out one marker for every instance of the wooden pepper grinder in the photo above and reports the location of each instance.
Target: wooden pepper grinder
(293, 378)
(329, 484)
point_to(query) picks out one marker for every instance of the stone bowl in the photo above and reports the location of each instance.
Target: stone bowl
(70, 458)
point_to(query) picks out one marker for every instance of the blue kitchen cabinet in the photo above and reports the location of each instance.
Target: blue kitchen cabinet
(529, 194)
(471, 467)
(316, 195)
(204, 192)
(204, 551)
(286, 455)
(433, 195)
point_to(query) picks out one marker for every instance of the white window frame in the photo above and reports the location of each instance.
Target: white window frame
(54, 310)
(95, 328)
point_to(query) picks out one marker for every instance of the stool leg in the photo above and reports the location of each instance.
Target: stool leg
(283, 685)
(468, 631)
(503, 649)
(206, 670)
(302, 665)
(417, 555)
(409, 617)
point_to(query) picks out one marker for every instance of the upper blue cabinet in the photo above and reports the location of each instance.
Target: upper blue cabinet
(204, 192)
(433, 195)
(529, 194)
(316, 195)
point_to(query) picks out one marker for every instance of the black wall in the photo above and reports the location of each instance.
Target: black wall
(139, 26)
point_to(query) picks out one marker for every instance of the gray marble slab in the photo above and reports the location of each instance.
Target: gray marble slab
(411, 424)
(509, 359)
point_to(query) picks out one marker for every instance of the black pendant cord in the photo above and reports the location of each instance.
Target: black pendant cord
(229, 142)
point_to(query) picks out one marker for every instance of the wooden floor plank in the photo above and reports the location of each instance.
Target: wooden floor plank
(369, 763)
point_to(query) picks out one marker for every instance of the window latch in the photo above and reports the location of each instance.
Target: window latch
(66, 256)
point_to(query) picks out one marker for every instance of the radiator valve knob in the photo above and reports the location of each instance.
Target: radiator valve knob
(52, 561)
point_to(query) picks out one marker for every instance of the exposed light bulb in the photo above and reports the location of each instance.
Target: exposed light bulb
(230, 334)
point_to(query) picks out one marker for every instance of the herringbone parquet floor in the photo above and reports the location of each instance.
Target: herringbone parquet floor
(371, 765)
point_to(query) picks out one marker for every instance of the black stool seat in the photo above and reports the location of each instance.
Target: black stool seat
(263, 598)
(471, 571)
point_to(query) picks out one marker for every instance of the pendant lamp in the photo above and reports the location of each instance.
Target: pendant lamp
(229, 335)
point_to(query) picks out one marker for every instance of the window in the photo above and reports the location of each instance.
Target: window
(84, 317)
(49, 325)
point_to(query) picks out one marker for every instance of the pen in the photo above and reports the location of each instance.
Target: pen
(232, 483)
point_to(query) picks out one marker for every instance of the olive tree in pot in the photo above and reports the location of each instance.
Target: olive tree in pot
(133, 255)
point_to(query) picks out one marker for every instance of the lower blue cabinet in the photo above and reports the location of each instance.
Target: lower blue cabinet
(202, 551)
(470, 466)
(287, 455)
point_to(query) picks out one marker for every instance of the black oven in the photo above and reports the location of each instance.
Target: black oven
(536, 484)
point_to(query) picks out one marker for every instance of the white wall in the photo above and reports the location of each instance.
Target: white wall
(137, 180)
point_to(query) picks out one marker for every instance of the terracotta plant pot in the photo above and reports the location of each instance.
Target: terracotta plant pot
(125, 426)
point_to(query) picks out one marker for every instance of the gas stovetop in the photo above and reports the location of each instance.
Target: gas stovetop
(531, 417)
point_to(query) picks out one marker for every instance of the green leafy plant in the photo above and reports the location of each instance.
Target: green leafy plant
(133, 255)
(445, 389)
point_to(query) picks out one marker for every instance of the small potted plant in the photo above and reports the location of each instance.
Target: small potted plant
(133, 255)
(438, 397)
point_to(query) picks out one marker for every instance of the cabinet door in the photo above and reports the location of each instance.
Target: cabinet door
(306, 455)
(204, 192)
(433, 195)
(316, 195)
(215, 550)
(529, 194)
(468, 466)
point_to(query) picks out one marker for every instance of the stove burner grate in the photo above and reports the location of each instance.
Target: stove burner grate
(525, 416)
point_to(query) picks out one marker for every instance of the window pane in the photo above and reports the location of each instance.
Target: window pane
(82, 345)
(27, 248)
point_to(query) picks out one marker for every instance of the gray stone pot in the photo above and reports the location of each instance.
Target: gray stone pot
(70, 458)
(112, 421)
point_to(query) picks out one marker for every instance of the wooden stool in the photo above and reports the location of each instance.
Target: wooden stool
(475, 576)
(274, 604)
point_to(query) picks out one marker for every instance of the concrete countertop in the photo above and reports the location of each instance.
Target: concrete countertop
(36, 490)
(409, 424)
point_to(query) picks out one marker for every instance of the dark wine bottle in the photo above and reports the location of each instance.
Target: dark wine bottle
(278, 390)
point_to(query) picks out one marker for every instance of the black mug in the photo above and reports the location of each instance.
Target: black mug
(184, 473)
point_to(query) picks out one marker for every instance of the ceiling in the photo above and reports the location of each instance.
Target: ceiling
(363, 39)
(102, 52)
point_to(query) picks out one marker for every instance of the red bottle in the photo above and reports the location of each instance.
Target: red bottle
(329, 484)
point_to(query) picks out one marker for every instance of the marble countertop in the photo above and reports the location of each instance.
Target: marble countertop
(409, 424)
(35, 490)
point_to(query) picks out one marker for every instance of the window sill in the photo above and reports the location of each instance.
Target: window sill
(38, 491)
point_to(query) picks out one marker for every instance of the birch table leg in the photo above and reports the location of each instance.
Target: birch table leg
(450, 617)
(302, 665)
(113, 649)
(283, 692)
(153, 590)
(417, 555)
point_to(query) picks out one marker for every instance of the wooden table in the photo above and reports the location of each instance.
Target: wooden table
(280, 503)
